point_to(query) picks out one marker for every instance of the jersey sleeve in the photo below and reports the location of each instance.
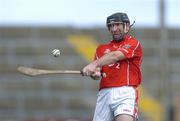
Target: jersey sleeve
(97, 53)
(131, 49)
(95, 56)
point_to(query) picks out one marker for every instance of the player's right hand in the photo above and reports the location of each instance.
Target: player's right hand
(97, 74)
(89, 69)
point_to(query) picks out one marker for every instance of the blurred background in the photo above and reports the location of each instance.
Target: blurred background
(31, 29)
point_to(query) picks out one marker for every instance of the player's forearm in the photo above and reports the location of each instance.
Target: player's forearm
(109, 58)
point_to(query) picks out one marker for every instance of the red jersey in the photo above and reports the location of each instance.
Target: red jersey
(126, 71)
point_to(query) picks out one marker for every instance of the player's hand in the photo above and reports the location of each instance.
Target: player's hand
(89, 69)
(97, 74)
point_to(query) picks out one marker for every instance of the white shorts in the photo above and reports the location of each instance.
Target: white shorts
(112, 102)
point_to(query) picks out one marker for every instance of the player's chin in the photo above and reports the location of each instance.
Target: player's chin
(117, 36)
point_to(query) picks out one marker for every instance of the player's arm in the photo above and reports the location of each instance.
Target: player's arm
(107, 59)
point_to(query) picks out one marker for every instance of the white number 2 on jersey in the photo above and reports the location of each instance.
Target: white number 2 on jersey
(117, 65)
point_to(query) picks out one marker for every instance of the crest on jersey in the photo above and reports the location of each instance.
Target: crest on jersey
(126, 46)
(107, 51)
